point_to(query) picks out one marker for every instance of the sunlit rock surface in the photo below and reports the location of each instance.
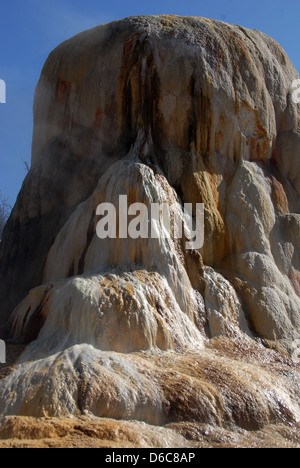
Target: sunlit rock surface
(169, 110)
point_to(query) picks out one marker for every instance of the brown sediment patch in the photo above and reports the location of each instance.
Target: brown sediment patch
(88, 432)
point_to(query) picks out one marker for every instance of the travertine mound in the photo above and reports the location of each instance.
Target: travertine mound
(174, 110)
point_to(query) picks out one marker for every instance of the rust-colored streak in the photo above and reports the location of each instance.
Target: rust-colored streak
(139, 90)
(63, 90)
(277, 182)
(131, 51)
(295, 280)
(37, 319)
(199, 119)
(98, 118)
(279, 196)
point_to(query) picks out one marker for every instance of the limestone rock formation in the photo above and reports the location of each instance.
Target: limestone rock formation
(171, 110)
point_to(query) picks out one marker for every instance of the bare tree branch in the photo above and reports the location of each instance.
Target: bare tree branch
(25, 164)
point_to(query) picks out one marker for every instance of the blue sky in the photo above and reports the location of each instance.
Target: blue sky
(30, 29)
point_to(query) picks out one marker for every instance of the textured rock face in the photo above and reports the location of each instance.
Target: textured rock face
(162, 109)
